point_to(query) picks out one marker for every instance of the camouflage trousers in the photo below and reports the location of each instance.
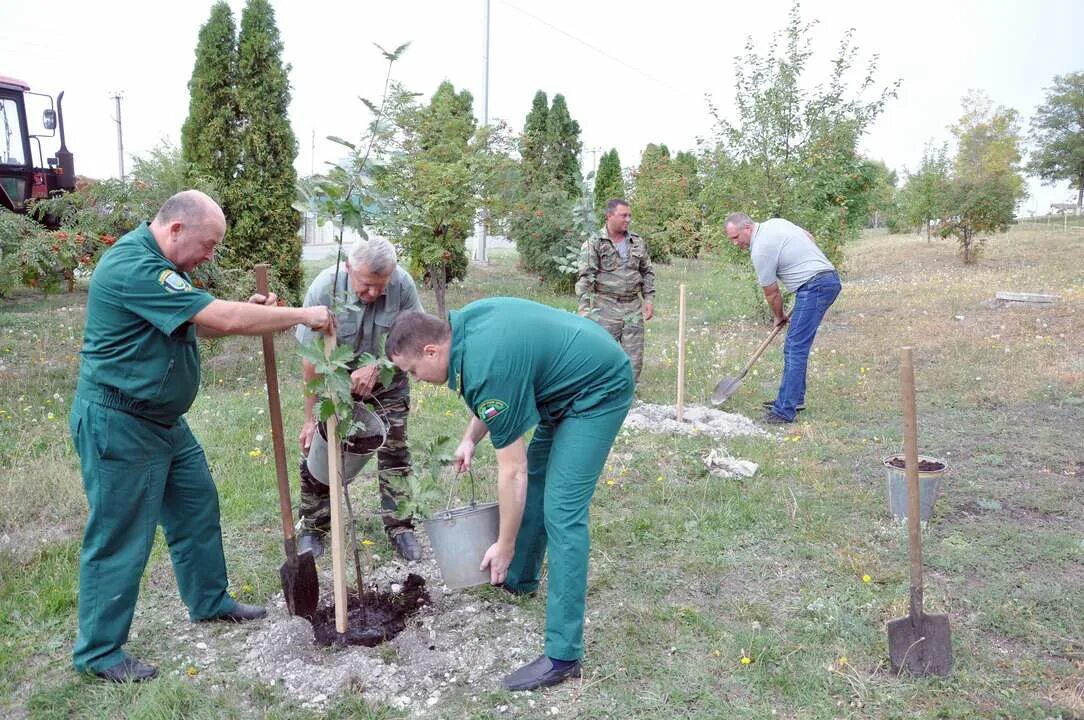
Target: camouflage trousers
(393, 459)
(624, 320)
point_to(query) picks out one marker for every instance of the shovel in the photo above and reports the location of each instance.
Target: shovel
(918, 643)
(728, 386)
(300, 585)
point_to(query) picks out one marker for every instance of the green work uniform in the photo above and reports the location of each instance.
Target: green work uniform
(141, 464)
(519, 364)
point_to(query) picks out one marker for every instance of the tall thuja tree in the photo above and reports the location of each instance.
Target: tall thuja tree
(563, 146)
(545, 217)
(793, 150)
(532, 143)
(209, 136)
(431, 184)
(609, 184)
(654, 199)
(264, 222)
(1057, 134)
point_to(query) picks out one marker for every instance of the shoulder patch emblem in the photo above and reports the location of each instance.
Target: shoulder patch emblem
(173, 282)
(489, 409)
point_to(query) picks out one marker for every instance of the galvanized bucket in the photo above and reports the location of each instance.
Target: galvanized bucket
(372, 435)
(929, 487)
(460, 537)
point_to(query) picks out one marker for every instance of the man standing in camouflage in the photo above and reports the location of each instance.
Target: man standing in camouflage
(616, 282)
(372, 280)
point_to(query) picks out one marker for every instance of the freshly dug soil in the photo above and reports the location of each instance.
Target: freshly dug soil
(382, 617)
(923, 465)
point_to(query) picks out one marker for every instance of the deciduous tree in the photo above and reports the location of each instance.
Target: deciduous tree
(1057, 133)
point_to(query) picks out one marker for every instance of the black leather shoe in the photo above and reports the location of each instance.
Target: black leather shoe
(310, 542)
(771, 403)
(128, 670)
(771, 418)
(243, 613)
(407, 546)
(538, 674)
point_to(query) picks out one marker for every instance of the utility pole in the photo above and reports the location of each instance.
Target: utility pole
(594, 165)
(120, 135)
(480, 246)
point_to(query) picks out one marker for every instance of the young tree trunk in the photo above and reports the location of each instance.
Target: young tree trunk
(438, 273)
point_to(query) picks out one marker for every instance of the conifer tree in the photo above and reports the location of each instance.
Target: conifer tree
(563, 147)
(209, 136)
(264, 223)
(532, 144)
(608, 183)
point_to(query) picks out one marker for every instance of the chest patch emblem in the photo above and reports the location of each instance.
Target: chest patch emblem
(173, 282)
(489, 409)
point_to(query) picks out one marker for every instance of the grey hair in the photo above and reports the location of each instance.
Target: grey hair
(376, 254)
(738, 219)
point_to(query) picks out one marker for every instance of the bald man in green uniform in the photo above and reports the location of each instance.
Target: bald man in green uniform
(518, 365)
(141, 464)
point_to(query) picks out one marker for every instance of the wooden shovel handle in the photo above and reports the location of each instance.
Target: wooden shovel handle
(270, 368)
(910, 457)
(760, 350)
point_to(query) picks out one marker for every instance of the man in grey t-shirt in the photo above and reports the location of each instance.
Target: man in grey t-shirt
(785, 254)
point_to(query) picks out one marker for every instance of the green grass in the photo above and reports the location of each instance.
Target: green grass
(689, 572)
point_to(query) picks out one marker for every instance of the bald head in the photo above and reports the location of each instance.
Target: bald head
(190, 207)
(188, 227)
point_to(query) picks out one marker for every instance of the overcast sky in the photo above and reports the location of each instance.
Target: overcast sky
(633, 72)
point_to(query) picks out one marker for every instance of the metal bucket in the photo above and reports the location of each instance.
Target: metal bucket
(460, 537)
(372, 435)
(929, 487)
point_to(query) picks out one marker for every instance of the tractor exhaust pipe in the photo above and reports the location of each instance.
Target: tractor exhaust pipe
(65, 160)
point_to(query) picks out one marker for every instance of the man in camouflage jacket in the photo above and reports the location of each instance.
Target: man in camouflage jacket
(616, 282)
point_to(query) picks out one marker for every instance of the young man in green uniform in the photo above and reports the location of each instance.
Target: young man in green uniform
(141, 465)
(518, 365)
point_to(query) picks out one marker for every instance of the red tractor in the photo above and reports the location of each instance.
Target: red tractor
(23, 175)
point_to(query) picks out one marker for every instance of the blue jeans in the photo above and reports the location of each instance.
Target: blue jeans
(811, 302)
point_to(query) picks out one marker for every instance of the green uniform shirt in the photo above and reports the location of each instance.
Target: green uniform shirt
(517, 363)
(139, 347)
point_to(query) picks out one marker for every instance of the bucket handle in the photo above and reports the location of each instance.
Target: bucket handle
(455, 487)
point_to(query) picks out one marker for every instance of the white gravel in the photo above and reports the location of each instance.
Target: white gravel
(697, 420)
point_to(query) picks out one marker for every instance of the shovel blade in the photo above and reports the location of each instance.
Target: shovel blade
(723, 391)
(925, 649)
(300, 585)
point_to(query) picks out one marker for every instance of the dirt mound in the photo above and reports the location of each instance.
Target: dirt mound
(460, 638)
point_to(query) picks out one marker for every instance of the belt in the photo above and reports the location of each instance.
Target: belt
(821, 274)
(111, 397)
(623, 298)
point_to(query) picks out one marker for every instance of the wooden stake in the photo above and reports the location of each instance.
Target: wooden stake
(681, 355)
(335, 482)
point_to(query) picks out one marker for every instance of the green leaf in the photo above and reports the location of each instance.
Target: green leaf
(340, 141)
